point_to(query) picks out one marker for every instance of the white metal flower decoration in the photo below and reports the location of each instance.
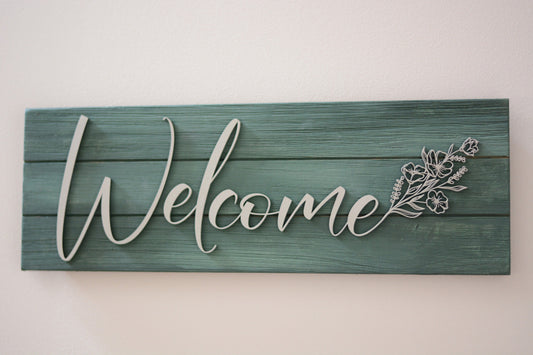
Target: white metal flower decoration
(421, 186)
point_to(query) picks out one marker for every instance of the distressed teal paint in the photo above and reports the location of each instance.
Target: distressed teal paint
(283, 149)
(302, 130)
(276, 178)
(427, 245)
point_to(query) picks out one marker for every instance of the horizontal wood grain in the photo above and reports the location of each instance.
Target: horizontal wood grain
(428, 245)
(283, 150)
(300, 130)
(135, 183)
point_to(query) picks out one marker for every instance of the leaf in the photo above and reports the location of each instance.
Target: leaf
(417, 198)
(424, 155)
(450, 150)
(415, 207)
(412, 189)
(455, 188)
(406, 213)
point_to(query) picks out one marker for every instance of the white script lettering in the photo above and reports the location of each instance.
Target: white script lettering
(181, 193)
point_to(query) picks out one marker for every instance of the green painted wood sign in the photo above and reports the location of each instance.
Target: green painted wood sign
(419, 187)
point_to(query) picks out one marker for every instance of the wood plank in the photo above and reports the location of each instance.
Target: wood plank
(301, 130)
(427, 245)
(135, 183)
(283, 150)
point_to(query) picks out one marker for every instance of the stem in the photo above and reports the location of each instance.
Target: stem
(405, 198)
(457, 151)
(441, 185)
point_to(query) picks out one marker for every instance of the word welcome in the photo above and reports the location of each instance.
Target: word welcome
(182, 192)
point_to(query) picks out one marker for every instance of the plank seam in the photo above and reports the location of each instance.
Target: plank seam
(254, 159)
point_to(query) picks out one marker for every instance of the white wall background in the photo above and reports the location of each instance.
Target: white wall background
(98, 53)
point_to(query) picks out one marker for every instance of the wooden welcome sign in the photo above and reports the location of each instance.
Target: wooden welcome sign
(372, 187)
